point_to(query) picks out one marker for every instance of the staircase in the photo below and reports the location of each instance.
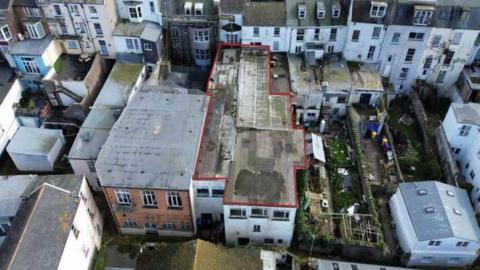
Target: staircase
(69, 93)
(325, 114)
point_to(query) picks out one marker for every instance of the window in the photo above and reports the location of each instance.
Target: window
(335, 13)
(132, 44)
(256, 228)
(280, 241)
(185, 226)
(135, 12)
(472, 174)
(403, 74)
(63, 28)
(462, 244)
(92, 10)
(395, 38)
(202, 54)
(103, 47)
(428, 62)
(268, 241)
(302, 12)
(198, 9)
(321, 14)
(456, 151)
(238, 213)
(4, 227)
(201, 36)
(371, 52)
(300, 34)
(148, 198)
(354, 267)
(436, 40)
(342, 100)
(91, 165)
(448, 58)
(75, 231)
(316, 35)
(416, 36)
(72, 44)
(174, 199)
(149, 225)
(355, 35)
(333, 34)
(74, 10)
(217, 192)
(298, 49)
(56, 10)
(422, 17)
(466, 167)
(409, 56)
(376, 32)
(434, 243)
(441, 76)
(31, 12)
(129, 223)
(330, 48)
(256, 31)
(335, 266)
(377, 10)
(30, 65)
(276, 31)
(457, 37)
(152, 7)
(203, 192)
(123, 197)
(281, 215)
(276, 45)
(98, 29)
(232, 38)
(259, 212)
(168, 225)
(35, 31)
(147, 46)
(5, 31)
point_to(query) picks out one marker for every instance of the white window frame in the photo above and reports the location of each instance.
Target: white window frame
(147, 46)
(35, 30)
(403, 73)
(201, 36)
(276, 31)
(336, 13)
(263, 212)
(436, 40)
(283, 215)
(355, 38)
(152, 6)
(396, 37)
(428, 62)
(409, 55)
(256, 31)
(422, 17)
(136, 11)
(464, 130)
(217, 195)
(202, 54)
(321, 14)
(378, 10)
(4, 228)
(377, 31)
(168, 225)
(57, 11)
(302, 12)
(92, 10)
(97, 32)
(371, 52)
(243, 213)
(174, 199)
(129, 223)
(203, 194)
(6, 34)
(149, 198)
(456, 38)
(316, 34)
(416, 36)
(32, 12)
(123, 196)
(30, 65)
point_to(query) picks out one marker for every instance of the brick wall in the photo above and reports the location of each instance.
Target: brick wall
(159, 215)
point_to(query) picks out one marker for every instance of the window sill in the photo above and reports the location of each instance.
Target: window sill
(174, 208)
(259, 216)
(150, 207)
(237, 217)
(281, 219)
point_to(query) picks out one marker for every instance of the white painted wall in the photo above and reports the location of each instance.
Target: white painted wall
(358, 50)
(323, 38)
(121, 44)
(79, 251)
(266, 37)
(8, 123)
(208, 205)
(243, 227)
(147, 14)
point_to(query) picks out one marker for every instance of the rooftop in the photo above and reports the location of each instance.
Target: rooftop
(263, 168)
(265, 13)
(197, 255)
(337, 76)
(323, 264)
(33, 141)
(438, 210)
(40, 229)
(303, 79)
(311, 13)
(11, 190)
(366, 78)
(472, 76)
(154, 142)
(231, 6)
(129, 29)
(69, 67)
(468, 113)
(35, 47)
(119, 85)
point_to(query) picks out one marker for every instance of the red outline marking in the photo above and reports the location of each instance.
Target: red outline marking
(292, 120)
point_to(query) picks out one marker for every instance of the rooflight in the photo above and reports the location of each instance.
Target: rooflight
(450, 193)
(422, 192)
(429, 210)
(457, 211)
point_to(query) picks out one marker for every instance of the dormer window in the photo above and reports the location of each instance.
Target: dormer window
(302, 11)
(336, 10)
(423, 15)
(378, 9)
(198, 9)
(135, 12)
(320, 10)
(188, 8)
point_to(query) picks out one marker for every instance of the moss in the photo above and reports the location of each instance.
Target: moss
(58, 65)
(125, 73)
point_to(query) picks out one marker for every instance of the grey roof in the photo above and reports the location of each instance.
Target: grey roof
(33, 141)
(154, 142)
(25, 3)
(170, 8)
(232, 6)
(311, 13)
(323, 264)
(338, 76)
(151, 32)
(11, 190)
(467, 113)
(366, 78)
(40, 230)
(443, 222)
(67, 182)
(129, 29)
(265, 14)
(5, 4)
(34, 47)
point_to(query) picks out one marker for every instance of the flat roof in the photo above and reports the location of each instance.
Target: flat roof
(33, 141)
(323, 264)
(468, 113)
(68, 67)
(11, 190)
(452, 213)
(366, 78)
(263, 168)
(337, 75)
(129, 29)
(34, 47)
(302, 79)
(154, 142)
(119, 85)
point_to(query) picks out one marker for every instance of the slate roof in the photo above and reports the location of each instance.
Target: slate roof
(199, 255)
(40, 229)
(444, 222)
(265, 14)
(311, 13)
(467, 113)
(34, 47)
(232, 6)
(154, 142)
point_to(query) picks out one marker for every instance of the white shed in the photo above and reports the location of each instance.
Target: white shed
(35, 149)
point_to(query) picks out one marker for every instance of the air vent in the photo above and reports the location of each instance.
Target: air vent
(422, 192)
(429, 210)
(450, 193)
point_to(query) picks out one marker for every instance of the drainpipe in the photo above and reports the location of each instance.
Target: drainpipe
(73, 25)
